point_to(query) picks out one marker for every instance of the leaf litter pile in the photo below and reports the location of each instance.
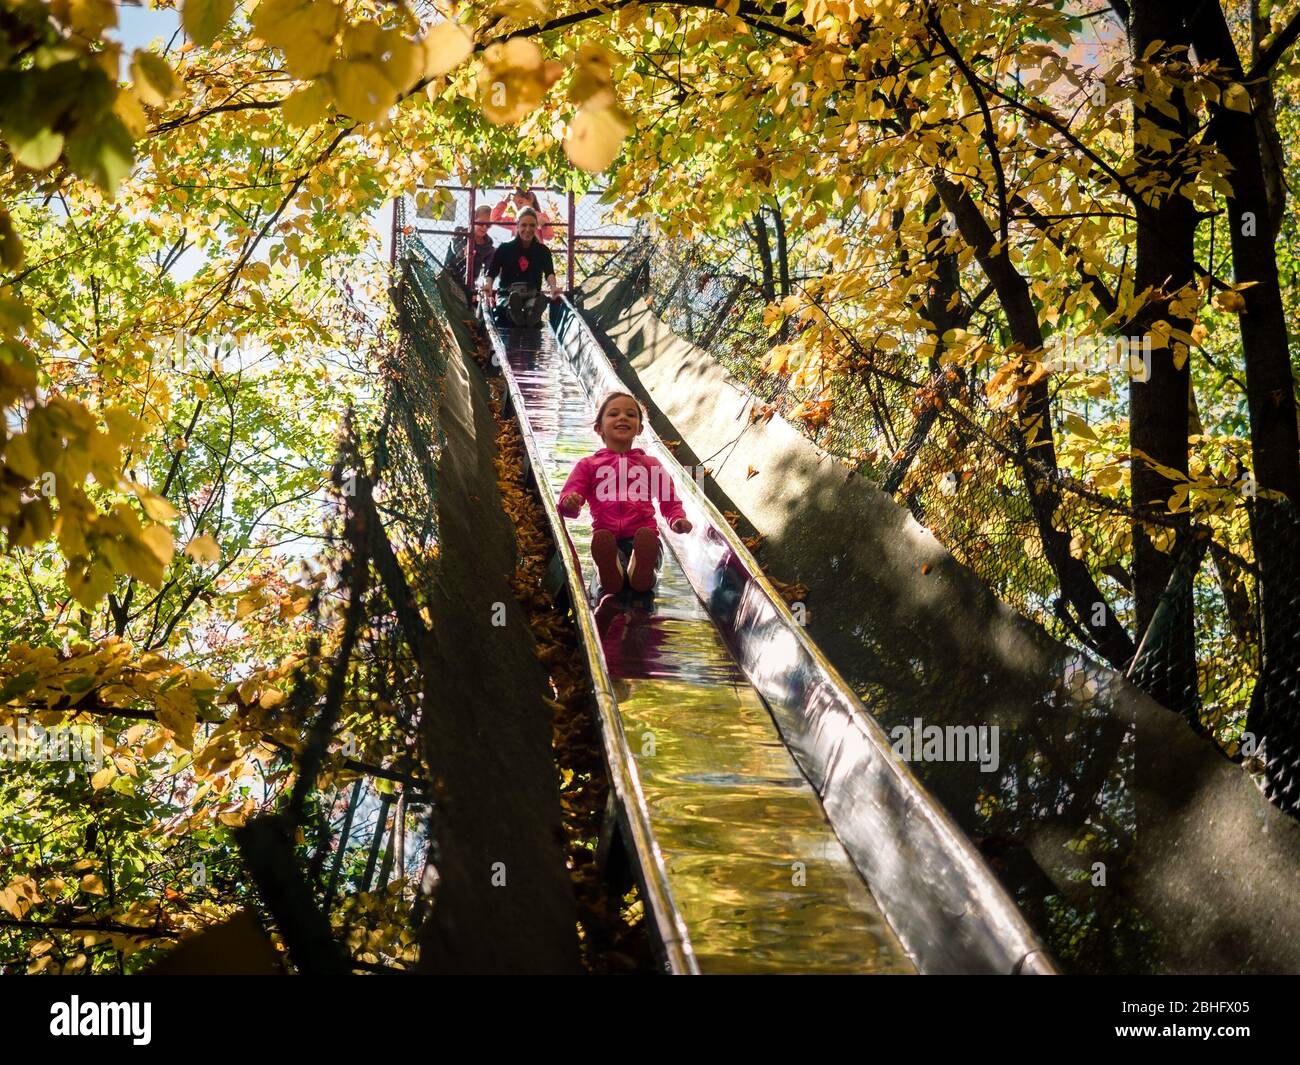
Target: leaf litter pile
(611, 928)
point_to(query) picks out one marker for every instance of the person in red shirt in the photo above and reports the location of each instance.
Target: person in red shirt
(506, 213)
(619, 483)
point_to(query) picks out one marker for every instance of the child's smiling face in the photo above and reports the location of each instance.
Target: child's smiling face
(621, 421)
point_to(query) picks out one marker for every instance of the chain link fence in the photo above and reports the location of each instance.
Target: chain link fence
(352, 893)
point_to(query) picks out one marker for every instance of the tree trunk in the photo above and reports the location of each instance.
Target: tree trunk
(764, 247)
(1078, 589)
(1272, 155)
(782, 251)
(1270, 396)
(1158, 406)
(940, 316)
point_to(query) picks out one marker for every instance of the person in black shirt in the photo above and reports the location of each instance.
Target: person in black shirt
(478, 244)
(524, 259)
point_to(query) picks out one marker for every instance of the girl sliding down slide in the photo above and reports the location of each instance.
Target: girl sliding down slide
(619, 481)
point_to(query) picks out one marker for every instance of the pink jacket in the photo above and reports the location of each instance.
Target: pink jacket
(620, 487)
(504, 213)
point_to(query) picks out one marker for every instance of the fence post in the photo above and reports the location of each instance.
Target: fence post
(573, 238)
(392, 242)
(469, 243)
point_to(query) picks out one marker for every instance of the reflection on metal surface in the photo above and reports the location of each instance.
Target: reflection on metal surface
(750, 865)
(725, 802)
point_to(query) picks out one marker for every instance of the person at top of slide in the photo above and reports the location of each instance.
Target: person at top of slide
(506, 213)
(524, 259)
(478, 244)
(618, 482)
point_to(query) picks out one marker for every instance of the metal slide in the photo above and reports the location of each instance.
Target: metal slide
(771, 826)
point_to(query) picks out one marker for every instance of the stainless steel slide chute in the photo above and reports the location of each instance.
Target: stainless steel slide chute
(772, 827)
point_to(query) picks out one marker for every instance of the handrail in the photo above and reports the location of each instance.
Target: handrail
(934, 887)
(670, 928)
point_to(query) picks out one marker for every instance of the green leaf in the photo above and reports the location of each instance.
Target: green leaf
(24, 682)
(39, 152)
(101, 152)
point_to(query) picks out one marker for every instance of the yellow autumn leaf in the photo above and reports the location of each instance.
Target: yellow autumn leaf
(109, 59)
(251, 601)
(1076, 426)
(446, 46)
(400, 61)
(522, 10)
(304, 30)
(1237, 98)
(156, 506)
(777, 358)
(512, 81)
(136, 558)
(11, 245)
(89, 581)
(204, 548)
(20, 457)
(103, 779)
(593, 72)
(288, 24)
(154, 80)
(92, 885)
(596, 136)
(361, 90)
(127, 107)
(158, 539)
(308, 56)
(204, 19)
(1229, 301)
(88, 17)
(38, 152)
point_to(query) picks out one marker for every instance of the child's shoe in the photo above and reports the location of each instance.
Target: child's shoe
(645, 556)
(604, 552)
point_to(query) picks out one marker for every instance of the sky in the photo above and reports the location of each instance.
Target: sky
(138, 26)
